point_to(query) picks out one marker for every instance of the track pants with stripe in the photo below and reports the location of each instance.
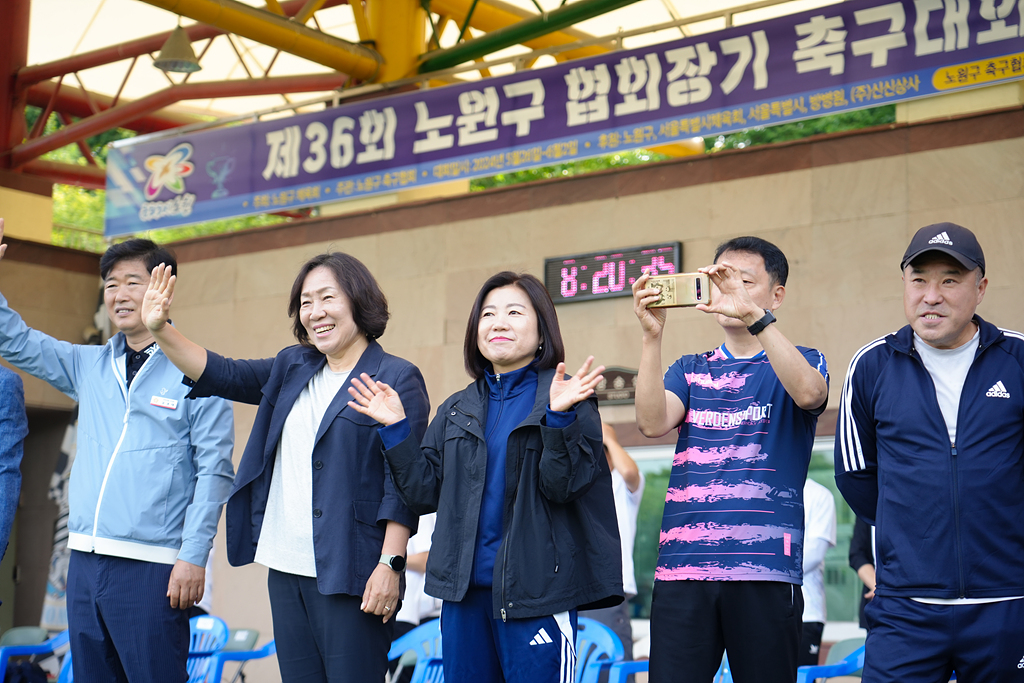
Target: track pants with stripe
(477, 647)
(913, 642)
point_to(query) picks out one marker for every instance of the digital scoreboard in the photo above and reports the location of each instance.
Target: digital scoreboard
(604, 274)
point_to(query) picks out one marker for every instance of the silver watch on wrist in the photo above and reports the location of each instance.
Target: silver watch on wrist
(394, 562)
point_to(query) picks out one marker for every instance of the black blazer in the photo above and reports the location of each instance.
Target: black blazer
(353, 495)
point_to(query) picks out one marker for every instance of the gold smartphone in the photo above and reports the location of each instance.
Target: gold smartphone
(683, 289)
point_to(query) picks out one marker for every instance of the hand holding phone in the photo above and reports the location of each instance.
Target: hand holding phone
(682, 289)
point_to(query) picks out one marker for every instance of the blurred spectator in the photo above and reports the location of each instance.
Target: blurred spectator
(627, 488)
(819, 536)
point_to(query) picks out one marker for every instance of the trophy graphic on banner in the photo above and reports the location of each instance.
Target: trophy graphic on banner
(219, 169)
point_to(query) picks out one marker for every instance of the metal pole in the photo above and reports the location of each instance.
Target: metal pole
(112, 118)
(14, 17)
(520, 32)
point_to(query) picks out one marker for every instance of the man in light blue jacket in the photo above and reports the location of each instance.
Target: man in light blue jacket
(150, 477)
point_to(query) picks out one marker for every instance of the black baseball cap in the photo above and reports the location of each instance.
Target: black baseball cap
(949, 238)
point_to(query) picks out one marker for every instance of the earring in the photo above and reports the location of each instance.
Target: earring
(540, 348)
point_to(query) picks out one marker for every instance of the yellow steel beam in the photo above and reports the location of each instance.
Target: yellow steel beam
(308, 10)
(275, 7)
(399, 30)
(484, 72)
(288, 36)
(441, 24)
(491, 15)
(362, 23)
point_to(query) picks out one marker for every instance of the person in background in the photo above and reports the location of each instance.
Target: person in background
(13, 430)
(628, 489)
(513, 465)
(417, 606)
(313, 500)
(862, 561)
(819, 536)
(151, 474)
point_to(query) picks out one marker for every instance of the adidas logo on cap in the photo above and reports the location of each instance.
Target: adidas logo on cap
(998, 391)
(941, 238)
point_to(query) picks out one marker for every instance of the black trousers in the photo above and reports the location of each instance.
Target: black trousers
(810, 643)
(323, 638)
(758, 623)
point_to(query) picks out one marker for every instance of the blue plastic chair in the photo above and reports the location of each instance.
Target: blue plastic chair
(207, 636)
(217, 665)
(67, 674)
(619, 671)
(844, 667)
(42, 648)
(425, 641)
(597, 648)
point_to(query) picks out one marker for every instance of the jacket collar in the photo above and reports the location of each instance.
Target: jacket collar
(474, 399)
(511, 383)
(903, 339)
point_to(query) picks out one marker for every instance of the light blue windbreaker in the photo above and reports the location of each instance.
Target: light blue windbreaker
(152, 470)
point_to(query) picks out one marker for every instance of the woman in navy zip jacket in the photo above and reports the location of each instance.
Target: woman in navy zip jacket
(513, 464)
(312, 499)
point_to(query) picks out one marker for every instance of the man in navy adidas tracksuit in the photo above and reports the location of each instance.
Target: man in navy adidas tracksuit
(930, 449)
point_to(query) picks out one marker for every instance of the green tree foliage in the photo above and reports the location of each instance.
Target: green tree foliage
(751, 137)
(632, 157)
(834, 123)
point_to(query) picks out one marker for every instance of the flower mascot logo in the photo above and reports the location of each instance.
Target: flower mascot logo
(168, 170)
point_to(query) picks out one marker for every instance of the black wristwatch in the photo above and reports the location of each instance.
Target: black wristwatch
(395, 562)
(758, 327)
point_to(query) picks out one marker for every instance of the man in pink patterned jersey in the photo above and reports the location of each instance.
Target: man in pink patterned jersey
(729, 562)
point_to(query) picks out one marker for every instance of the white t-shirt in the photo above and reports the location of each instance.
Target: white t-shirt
(286, 539)
(417, 605)
(627, 507)
(948, 368)
(819, 536)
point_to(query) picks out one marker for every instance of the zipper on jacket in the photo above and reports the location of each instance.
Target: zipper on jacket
(505, 541)
(127, 393)
(501, 404)
(956, 521)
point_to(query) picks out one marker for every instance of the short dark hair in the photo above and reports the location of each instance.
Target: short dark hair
(147, 251)
(775, 262)
(553, 350)
(369, 305)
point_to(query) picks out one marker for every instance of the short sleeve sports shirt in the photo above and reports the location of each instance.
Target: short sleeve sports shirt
(734, 505)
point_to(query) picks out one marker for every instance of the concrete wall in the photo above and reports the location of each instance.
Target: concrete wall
(843, 208)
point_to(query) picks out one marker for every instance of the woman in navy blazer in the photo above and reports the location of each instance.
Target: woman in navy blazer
(313, 498)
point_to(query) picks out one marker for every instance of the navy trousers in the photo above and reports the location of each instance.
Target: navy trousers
(325, 637)
(122, 625)
(476, 647)
(913, 642)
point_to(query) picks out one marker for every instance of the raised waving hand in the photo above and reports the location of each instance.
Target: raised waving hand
(156, 305)
(567, 392)
(376, 399)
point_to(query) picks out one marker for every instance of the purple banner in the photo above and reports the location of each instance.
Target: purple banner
(852, 55)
